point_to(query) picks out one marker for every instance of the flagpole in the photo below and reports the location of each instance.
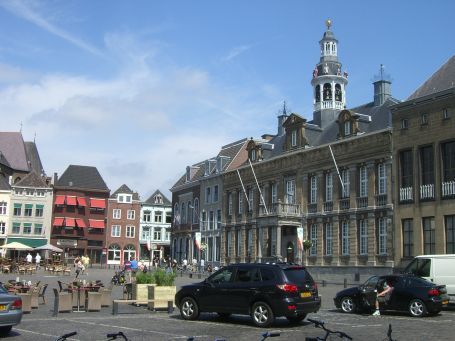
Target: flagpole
(336, 167)
(246, 196)
(257, 184)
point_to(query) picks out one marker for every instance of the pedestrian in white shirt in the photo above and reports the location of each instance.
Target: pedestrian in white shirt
(29, 258)
(37, 260)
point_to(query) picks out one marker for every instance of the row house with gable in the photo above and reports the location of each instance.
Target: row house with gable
(197, 200)
(79, 212)
(155, 230)
(424, 168)
(122, 228)
(31, 211)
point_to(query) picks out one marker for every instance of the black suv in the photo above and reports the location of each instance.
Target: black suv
(264, 291)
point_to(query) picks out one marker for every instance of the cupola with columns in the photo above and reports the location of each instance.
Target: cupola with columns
(329, 81)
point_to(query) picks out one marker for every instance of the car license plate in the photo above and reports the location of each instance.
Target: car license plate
(3, 307)
(305, 294)
(445, 302)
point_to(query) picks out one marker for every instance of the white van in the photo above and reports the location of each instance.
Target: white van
(439, 269)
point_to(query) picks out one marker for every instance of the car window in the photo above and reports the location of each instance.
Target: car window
(371, 282)
(297, 275)
(247, 275)
(419, 267)
(2, 288)
(222, 276)
(267, 275)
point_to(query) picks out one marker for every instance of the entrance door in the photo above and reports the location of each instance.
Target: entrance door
(290, 252)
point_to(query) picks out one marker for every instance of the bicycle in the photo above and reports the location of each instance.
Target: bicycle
(320, 324)
(65, 336)
(269, 334)
(114, 336)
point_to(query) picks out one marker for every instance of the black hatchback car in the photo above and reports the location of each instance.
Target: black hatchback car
(264, 291)
(413, 294)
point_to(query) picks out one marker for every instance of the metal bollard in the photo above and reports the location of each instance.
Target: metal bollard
(170, 307)
(56, 302)
(114, 308)
(345, 283)
(324, 283)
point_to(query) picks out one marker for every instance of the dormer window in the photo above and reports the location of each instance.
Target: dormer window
(404, 123)
(347, 128)
(294, 138)
(424, 119)
(158, 199)
(253, 155)
(124, 198)
(445, 114)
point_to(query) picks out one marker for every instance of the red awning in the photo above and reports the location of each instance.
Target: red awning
(97, 203)
(97, 224)
(60, 200)
(58, 221)
(71, 200)
(81, 202)
(70, 222)
(80, 223)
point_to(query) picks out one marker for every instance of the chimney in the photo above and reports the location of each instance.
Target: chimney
(281, 119)
(55, 179)
(382, 87)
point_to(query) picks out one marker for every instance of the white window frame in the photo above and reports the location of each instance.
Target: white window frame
(345, 238)
(208, 195)
(211, 220)
(2, 227)
(314, 239)
(294, 138)
(274, 192)
(328, 187)
(363, 237)
(40, 193)
(218, 219)
(158, 216)
(382, 236)
(290, 191)
(250, 200)
(345, 189)
(130, 231)
(328, 227)
(131, 214)
(229, 243)
(313, 189)
(116, 213)
(116, 231)
(3, 207)
(215, 193)
(157, 235)
(253, 154)
(363, 178)
(347, 128)
(240, 206)
(382, 179)
(147, 216)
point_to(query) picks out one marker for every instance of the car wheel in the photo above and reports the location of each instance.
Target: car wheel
(296, 319)
(417, 308)
(189, 309)
(5, 330)
(348, 305)
(262, 314)
(224, 315)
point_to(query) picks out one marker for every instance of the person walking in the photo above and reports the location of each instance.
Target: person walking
(29, 258)
(202, 269)
(37, 260)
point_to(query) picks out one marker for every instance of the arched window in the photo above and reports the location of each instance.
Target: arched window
(176, 214)
(129, 252)
(338, 93)
(183, 212)
(113, 253)
(196, 211)
(317, 94)
(327, 93)
(333, 48)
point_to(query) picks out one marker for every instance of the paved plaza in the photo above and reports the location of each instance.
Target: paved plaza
(140, 324)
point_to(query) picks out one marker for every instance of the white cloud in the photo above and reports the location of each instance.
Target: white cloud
(28, 10)
(235, 52)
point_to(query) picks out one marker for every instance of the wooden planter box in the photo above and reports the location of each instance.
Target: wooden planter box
(161, 295)
(141, 293)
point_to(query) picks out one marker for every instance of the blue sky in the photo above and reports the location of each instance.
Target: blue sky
(141, 89)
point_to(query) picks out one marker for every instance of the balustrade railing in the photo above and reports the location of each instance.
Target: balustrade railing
(427, 191)
(448, 189)
(381, 199)
(280, 209)
(328, 206)
(345, 204)
(312, 208)
(362, 202)
(406, 194)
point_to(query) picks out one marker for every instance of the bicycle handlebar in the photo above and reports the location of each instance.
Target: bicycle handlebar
(114, 336)
(65, 336)
(320, 324)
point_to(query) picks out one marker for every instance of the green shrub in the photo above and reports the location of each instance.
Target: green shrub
(163, 278)
(145, 278)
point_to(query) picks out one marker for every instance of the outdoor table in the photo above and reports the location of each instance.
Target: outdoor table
(78, 290)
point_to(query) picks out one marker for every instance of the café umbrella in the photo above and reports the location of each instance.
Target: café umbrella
(16, 246)
(49, 247)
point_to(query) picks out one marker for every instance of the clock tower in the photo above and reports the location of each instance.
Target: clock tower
(329, 81)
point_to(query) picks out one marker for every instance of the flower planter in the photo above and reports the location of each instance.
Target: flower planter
(161, 295)
(141, 293)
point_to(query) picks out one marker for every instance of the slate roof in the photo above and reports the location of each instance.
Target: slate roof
(32, 180)
(236, 153)
(4, 184)
(125, 189)
(33, 157)
(372, 118)
(85, 177)
(442, 79)
(13, 149)
(151, 201)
